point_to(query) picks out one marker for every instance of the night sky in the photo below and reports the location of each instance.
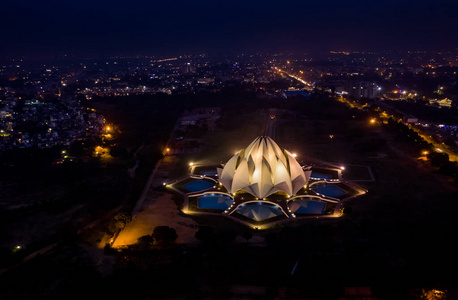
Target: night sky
(141, 27)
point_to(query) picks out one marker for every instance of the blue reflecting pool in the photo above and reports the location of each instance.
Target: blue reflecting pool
(329, 190)
(210, 173)
(199, 185)
(259, 211)
(214, 201)
(307, 206)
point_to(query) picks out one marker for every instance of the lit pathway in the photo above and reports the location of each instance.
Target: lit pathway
(150, 183)
(270, 130)
(159, 210)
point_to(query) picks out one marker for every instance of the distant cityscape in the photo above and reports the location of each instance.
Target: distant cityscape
(43, 104)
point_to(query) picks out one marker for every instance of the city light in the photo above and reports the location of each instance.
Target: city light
(388, 109)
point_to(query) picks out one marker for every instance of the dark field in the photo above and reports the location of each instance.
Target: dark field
(397, 239)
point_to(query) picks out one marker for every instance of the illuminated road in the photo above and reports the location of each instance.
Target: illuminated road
(439, 147)
(306, 83)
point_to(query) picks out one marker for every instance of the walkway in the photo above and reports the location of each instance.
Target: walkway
(270, 130)
(152, 180)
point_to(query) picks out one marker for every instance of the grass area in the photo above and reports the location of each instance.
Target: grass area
(311, 138)
(231, 136)
(400, 234)
(353, 172)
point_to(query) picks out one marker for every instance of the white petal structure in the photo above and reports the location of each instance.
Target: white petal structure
(263, 169)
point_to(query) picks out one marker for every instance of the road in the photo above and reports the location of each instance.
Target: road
(306, 83)
(439, 147)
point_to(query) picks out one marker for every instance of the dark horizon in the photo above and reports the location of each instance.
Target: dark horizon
(178, 27)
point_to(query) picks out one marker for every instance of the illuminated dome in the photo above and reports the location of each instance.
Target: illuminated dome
(263, 169)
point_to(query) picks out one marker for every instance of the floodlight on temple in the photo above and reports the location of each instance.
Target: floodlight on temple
(263, 169)
(263, 185)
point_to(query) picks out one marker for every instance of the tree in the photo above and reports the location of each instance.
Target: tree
(164, 234)
(122, 219)
(206, 235)
(438, 159)
(145, 242)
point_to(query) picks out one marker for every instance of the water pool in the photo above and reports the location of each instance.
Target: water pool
(259, 211)
(210, 173)
(214, 201)
(199, 185)
(329, 190)
(307, 206)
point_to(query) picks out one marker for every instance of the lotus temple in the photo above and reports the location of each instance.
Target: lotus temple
(263, 185)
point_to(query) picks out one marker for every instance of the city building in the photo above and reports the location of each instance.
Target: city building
(363, 89)
(188, 68)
